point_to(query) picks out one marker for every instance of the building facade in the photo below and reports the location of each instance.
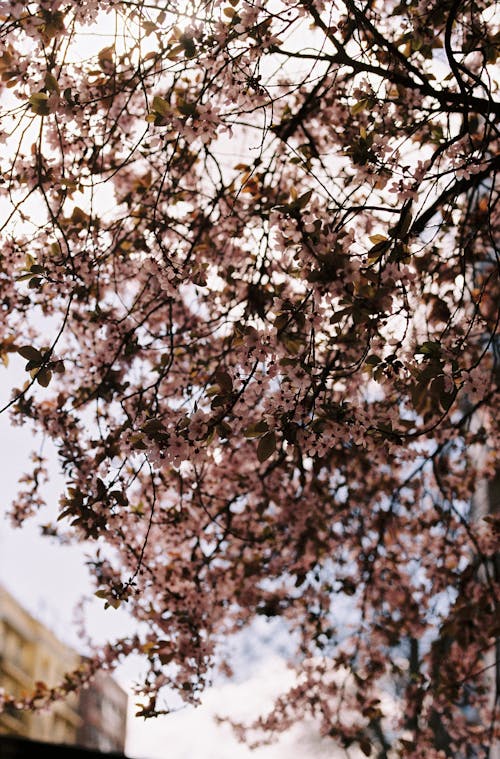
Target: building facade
(30, 652)
(103, 709)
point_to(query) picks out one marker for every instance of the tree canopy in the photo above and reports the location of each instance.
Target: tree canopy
(250, 258)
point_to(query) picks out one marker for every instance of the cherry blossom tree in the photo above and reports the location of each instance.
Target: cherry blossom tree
(250, 259)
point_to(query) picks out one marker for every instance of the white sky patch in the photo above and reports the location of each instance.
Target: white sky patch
(195, 733)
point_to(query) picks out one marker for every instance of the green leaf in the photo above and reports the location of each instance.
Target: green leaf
(64, 514)
(43, 377)
(224, 430)
(224, 381)
(152, 426)
(51, 83)
(188, 46)
(293, 344)
(376, 239)
(373, 360)
(174, 52)
(266, 447)
(303, 200)
(30, 353)
(256, 430)
(105, 57)
(119, 497)
(338, 315)
(149, 27)
(58, 367)
(212, 390)
(378, 250)
(282, 320)
(429, 348)
(358, 107)
(406, 219)
(39, 104)
(161, 106)
(399, 231)
(187, 109)
(365, 746)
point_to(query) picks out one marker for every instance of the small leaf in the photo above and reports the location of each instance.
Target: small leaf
(119, 497)
(375, 239)
(30, 353)
(373, 360)
(406, 219)
(266, 447)
(79, 217)
(137, 442)
(187, 109)
(293, 344)
(365, 746)
(303, 200)
(188, 45)
(161, 106)
(378, 250)
(256, 430)
(149, 27)
(429, 348)
(51, 83)
(39, 104)
(43, 377)
(105, 57)
(359, 107)
(174, 52)
(64, 514)
(152, 426)
(399, 231)
(224, 381)
(281, 321)
(338, 315)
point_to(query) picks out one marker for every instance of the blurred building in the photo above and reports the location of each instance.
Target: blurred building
(30, 652)
(103, 710)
